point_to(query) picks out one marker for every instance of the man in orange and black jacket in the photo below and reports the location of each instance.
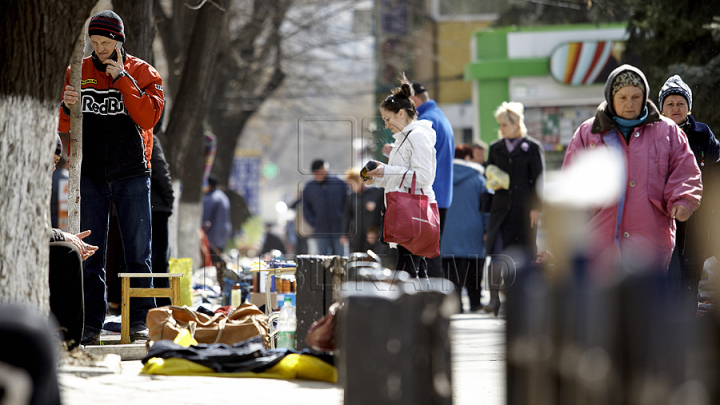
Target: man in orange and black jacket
(121, 100)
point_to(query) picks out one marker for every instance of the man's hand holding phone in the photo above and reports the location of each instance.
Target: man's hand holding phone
(114, 67)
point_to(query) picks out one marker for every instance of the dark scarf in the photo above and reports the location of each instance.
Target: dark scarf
(686, 125)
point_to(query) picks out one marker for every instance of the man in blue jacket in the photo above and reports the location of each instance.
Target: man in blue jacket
(444, 151)
(323, 202)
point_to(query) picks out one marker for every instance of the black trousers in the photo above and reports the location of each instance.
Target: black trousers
(161, 253)
(465, 272)
(66, 291)
(410, 263)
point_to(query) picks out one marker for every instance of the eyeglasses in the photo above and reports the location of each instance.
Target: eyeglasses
(391, 98)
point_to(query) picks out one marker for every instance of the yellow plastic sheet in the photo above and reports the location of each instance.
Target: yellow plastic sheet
(292, 366)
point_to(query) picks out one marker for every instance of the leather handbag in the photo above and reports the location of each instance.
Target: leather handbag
(246, 321)
(322, 333)
(412, 221)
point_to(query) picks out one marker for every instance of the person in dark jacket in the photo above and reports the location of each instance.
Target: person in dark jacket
(514, 212)
(216, 218)
(362, 212)
(692, 237)
(462, 246)
(161, 203)
(323, 203)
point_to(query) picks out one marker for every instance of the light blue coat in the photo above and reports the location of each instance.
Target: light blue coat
(465, 225)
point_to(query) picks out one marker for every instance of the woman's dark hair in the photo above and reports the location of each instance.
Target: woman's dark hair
(399, 99)
(462, 151)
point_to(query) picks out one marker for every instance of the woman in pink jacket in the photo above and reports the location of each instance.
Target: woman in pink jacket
(662, 179)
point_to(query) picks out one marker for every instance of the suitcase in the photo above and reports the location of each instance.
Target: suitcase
(318, 281)
(394, 345)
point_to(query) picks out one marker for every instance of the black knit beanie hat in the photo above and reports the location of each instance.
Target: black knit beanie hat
(675, 86)
(107, 24)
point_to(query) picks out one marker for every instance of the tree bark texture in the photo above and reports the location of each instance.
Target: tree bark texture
(36, 41)
(248, 72)
(139, 23)
(175, 33)
(25, 185)
(184, 130)
(75, 158)
(189, 220)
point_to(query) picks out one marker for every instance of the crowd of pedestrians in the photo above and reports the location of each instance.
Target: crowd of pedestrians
(665, 150)
(657, 221)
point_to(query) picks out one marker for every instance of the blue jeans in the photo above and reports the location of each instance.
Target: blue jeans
(329, 245)
(131, 198)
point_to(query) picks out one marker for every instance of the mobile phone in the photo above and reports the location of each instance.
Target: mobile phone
(118, 50)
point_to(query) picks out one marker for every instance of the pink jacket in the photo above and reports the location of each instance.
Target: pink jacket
(661, 172)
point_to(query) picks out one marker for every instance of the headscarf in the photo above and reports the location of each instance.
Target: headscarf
(622, 76)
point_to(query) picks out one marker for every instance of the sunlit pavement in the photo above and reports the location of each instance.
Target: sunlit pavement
(478, 344)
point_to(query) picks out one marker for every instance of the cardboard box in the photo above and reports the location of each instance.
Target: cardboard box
(258, 299)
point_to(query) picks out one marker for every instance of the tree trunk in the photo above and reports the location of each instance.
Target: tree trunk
(190, 105)
(25, 183)
(176, 34)
(189, 219)
(139, 23)
(75, 161)
(185, 129)
(36, 41)
(228, 133)
(242, 84)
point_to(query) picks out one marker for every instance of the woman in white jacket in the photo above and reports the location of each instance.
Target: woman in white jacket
(412, 153)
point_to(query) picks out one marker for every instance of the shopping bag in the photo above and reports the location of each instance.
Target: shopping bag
(412, 221)
(496, 178)
(246, 321)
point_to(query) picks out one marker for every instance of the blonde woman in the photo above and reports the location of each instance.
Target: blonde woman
(515, 211)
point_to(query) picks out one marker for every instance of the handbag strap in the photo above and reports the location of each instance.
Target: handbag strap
(209, 322)
(412, 186)
(405, 139)
(221, 318)
(221, 329)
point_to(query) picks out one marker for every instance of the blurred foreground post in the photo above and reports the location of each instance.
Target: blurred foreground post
(583, 333)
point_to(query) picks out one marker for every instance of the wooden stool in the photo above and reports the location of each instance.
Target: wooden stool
(173, 293)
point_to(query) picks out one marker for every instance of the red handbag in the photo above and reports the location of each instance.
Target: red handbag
(412, 221)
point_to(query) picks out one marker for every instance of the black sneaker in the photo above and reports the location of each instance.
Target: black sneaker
(90, 338)
(139, 332)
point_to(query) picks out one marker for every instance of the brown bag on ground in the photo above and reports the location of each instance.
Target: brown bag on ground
(322, 333)
(243, 323)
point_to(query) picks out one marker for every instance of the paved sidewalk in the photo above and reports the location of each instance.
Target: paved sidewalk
(478, 378)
